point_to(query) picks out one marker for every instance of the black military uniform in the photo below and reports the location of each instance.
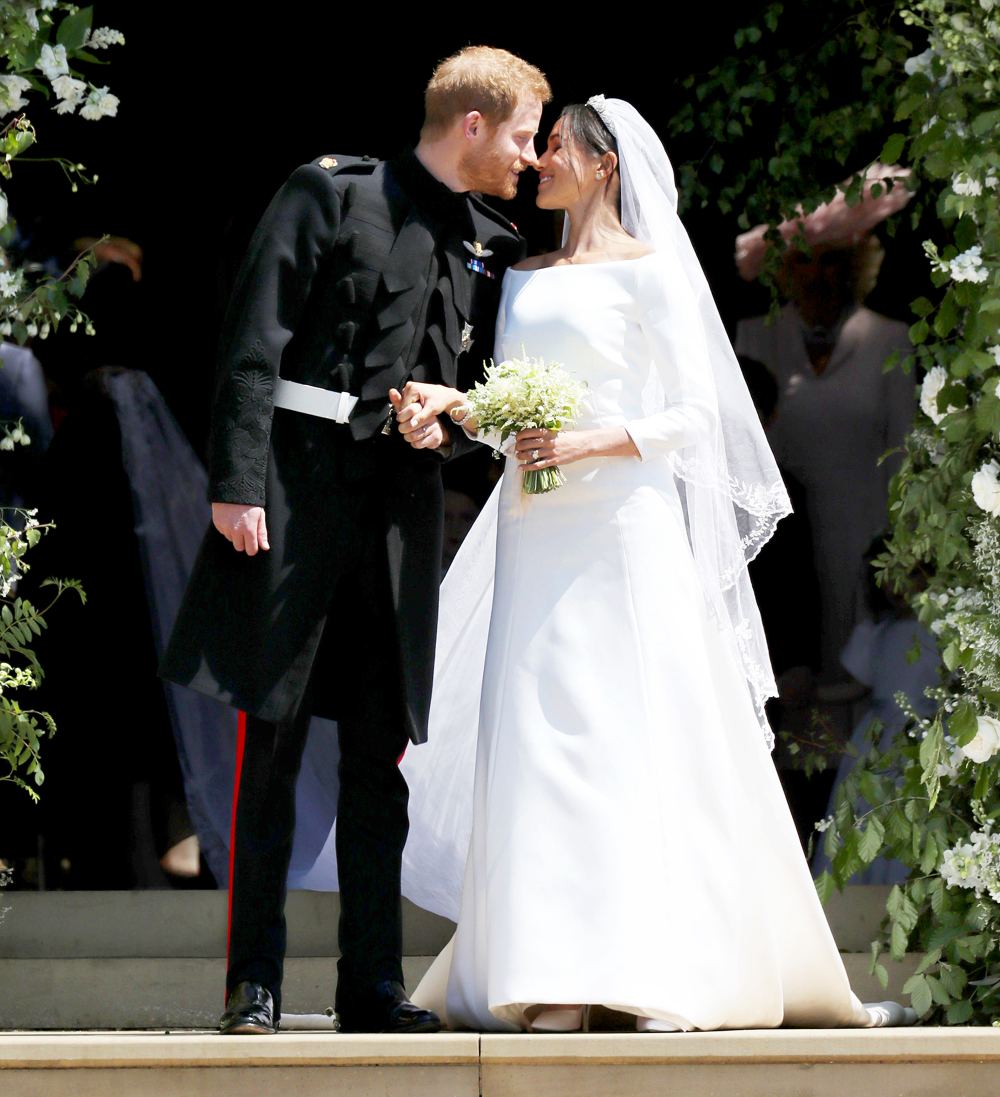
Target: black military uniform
(361, 274)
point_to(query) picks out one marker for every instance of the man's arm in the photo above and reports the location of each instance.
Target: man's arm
(298, 228)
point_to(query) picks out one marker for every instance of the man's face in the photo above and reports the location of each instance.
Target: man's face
(496, 157)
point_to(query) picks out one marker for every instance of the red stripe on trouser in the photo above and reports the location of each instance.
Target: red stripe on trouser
(241, 738)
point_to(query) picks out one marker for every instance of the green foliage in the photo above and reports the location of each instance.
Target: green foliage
(916, 81)
(21, 622)
(40, 45)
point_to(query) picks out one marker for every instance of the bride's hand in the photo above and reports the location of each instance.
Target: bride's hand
(539, 449)
(418, 408)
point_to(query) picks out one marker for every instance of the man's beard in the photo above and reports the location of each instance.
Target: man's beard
(488, 172)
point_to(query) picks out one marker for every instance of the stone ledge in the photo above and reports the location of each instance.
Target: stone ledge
(111, 1050)
(757, 1047)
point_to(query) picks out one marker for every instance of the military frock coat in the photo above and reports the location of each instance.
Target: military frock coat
(360, 274)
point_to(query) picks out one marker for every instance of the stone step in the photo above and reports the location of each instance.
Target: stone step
(75, 924)
(961, 1062)
(186, 992)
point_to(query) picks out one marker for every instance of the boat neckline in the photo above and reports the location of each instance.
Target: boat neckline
(602, 263)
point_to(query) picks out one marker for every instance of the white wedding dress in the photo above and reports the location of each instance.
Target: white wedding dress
(630, 843)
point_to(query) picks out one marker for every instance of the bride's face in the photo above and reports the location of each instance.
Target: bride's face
(567, 173)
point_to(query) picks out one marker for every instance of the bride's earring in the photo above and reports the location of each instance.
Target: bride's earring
(600, 174)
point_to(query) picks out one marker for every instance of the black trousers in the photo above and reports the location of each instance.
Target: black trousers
(371, 813)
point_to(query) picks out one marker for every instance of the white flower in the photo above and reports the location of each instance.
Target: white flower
(966, 186)
(986, 742)
(991, 182)
(3, 209)
(995, 351)
(32, 329)
(824, 824)
(11, 97)
(52, 61)
(6, 327)
(31, 17)
(968, 267)
(934, 382)
(6, 443)
(104, 37)
(47, 5)
(949, 769)
(99, 103)
(986, 488)
(11, 283)
(987, 5)
(920, 63)
(70, 93)
(996, 390)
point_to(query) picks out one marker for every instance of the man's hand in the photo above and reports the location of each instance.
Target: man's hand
(242, 525)
(417, 409)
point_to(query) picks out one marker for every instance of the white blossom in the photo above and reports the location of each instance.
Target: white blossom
(70, 93)
(974, 865)
(968, 266)
(966, 186)
(987, 5)
(11, 283)
(104, 37)
(47, 5)
(824, 824)
(6, 443)
(986, 741)
(991, 182)
(3, 209)
(934, 382)
(6, 328)
(99, 104)
(52, 61)
(920, 63)
(949, 769)
(31, 18)
(986, 488)
(995, 351)
(11, 93)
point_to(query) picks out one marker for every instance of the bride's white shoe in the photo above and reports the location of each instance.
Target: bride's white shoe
(562, 1019)
(654, 1024)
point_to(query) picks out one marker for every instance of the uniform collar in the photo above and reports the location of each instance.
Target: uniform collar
(430, 195)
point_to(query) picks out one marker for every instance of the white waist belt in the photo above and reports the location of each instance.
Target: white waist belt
(311, 400)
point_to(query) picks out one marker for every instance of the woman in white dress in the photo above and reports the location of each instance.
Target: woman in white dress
(630, 844)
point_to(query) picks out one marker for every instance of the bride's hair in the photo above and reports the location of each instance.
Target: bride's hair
(583, 126)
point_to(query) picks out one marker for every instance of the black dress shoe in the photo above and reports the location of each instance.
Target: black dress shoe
(249, 1010)
(386, 1009)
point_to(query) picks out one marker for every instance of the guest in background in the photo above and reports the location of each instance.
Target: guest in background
(837, 411)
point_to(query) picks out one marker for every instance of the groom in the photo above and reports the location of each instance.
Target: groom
(316, 592)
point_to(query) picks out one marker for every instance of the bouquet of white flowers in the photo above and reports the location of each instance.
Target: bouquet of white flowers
(525, 394)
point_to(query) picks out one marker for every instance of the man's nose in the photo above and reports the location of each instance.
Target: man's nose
(529, 157)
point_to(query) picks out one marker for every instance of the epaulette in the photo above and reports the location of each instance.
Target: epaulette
(485, 208)
(355, 165)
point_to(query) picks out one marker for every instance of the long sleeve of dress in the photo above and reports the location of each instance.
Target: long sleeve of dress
(669, 318)
(268, 300)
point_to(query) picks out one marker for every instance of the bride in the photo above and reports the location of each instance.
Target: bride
(616, 834)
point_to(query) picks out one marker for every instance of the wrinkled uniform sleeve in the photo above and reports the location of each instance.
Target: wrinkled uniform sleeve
(669, 317)
(298, 228)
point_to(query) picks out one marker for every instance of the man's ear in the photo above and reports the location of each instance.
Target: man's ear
(472, 124)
